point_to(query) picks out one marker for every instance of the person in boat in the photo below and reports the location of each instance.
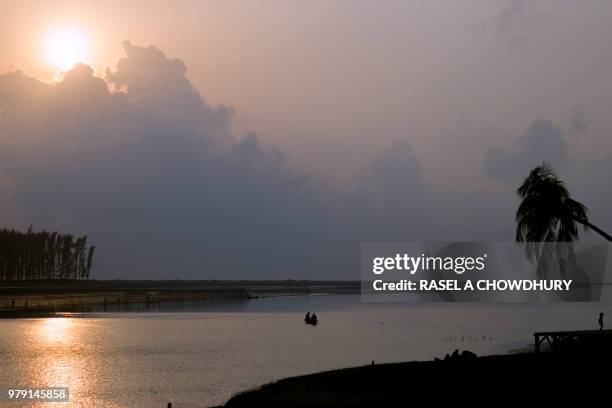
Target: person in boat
(307, 318)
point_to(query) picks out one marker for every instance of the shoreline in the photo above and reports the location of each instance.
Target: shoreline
(22, 298)
(518, 379)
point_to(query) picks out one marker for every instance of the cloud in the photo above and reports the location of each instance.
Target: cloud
(152, 173)
(393, 202)
(542, 142)
(509, 13)
(578, 123)
(589, 183)
(392, 192)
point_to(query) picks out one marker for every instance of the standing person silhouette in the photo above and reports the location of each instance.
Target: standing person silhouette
(601, 321)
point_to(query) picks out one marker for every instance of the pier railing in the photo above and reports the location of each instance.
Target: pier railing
(578, 340)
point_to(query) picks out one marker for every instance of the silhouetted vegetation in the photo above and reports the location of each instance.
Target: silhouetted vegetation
(43, 255)
(547, 213)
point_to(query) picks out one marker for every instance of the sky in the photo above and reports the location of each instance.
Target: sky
(268, 139)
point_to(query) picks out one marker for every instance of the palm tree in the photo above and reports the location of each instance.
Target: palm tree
(547, 213)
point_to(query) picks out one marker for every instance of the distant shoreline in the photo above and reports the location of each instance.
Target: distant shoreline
(48, 296)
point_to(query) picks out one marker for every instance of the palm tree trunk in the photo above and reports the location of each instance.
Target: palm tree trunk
(594, 228)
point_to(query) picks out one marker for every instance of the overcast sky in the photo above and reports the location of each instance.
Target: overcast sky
(267, 139)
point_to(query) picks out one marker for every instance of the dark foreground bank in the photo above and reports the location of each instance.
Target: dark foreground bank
(518, 380)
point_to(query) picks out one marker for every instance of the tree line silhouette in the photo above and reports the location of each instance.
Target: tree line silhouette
(43, 255)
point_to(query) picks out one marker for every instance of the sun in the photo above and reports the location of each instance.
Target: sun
(64, 48)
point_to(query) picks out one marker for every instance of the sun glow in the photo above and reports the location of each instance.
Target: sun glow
(65, 48)
(56, 329)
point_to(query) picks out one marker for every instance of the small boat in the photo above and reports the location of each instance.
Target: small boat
(311, 319)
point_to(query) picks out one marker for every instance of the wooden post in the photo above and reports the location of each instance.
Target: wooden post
(537, 343)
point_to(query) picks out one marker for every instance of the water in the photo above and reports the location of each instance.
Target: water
(202, 357)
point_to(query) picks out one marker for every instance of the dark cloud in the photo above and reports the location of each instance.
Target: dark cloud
(509, 13)
(391, 193)
(395, 203)
(578, 124)
(542, 142)
(141, 163)
(154, 176)
(589, 183)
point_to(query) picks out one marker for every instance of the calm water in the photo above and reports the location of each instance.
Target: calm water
(200, 358)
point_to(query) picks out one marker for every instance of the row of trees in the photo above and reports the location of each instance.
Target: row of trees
(43, 255)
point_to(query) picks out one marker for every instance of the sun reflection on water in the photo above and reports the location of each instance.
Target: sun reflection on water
(56, 330)
(64, 358)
